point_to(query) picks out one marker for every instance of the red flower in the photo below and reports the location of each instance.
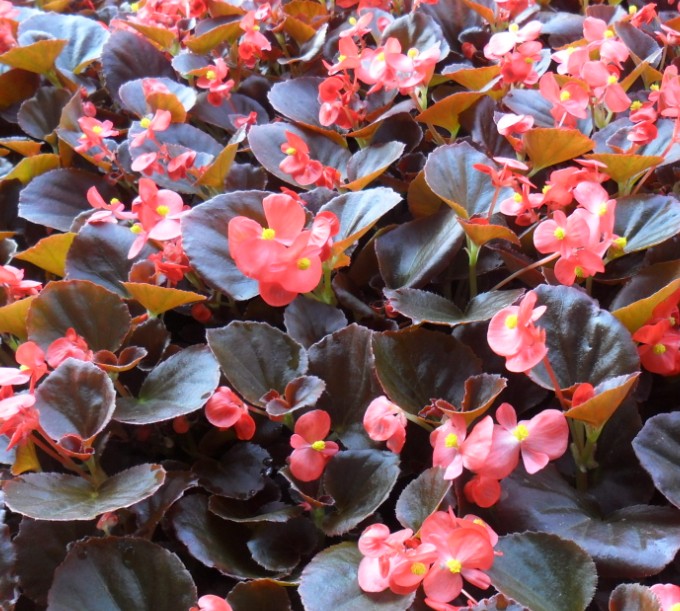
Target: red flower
(298, 162)
(225, 409)
(512, 334)
(385, 421)
(71, 345)
(310, 452)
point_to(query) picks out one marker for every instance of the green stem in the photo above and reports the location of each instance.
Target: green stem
(472, 250)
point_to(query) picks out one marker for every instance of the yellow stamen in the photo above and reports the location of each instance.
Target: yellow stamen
(291, 151)
(559, 233)
(528, 60)
(319, 446)
(451, 440)
(545, 189)
(602, 210)
(455, 566)
(210, 75)
(352, 20)
(256, 28)
(609, 34)
(632, 9)
(659, 349)
(418, 568)
(162, 210)
(341, 58)
(24, 367)
(134, 7)
(511, 321)
(654, 87)
(304, 264)
(517, 197)
(136, 228)
(521, 432)
(675, 607)
(114, 201)
(412, 52)
(578, 272)
(564, 96)
(97, 129)
(620, 242)
(380, 57)
(268, 234)
(513, 27)
(145, 122)
(570, 50)
(636, 105)
(611, 79)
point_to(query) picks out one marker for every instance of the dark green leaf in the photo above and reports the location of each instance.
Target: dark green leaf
(298, 100)
(636, 541)
(39, 116)
(41, 548)
(330, 581)
(77, 397)
(178, 386)
(56, 198)
(359, 481)
(120, 574)
(204, 237)
(307, 320)
(646, 220)
(259, 595)
(280, 547)
(544, 572)
(239, 474)
(601, 349)
(421, 497)
(59, 496)
(8, 577)
(417, 30)
(416, 365)
(345, 362)
(98, 315)
(658, 448)
(416, 251)
(257, 358)
(215, 542)
(369, 163)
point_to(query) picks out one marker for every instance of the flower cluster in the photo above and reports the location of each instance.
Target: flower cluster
(283, 257)
(659, 338)
(304, 169)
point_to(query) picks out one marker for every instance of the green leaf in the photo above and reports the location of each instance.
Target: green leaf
(450, 174)
(636, 541)
(601, 349)
(359, 481)
(178, 386)
(41, 547)
(423, 306)
(101, 317)
(215, 542)
(344, 361)
(204, 238)
(416, 365)
(59, 496)
(280, 547)
(330, 581)
(369, 163)
(239, 474)
(119, 574)
(307, 321)
(257, 358)
(298, 100)
(421, 498)
(657, 446)
(259, 595)
(544, 572)
(646, 220)
(414, 252)
(76, 398)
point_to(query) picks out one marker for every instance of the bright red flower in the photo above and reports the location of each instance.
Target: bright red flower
(513, 334)
(385, 421)
(310, 452)
(213, 78)
(659, 348)
(71, 345)
(225, 409)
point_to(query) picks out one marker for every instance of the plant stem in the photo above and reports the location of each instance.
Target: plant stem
(473, 255)
(518, 273)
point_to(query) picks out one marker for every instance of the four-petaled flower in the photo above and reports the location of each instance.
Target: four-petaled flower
(311, 452)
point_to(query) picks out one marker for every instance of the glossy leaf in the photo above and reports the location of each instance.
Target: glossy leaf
(8, 578)
(239, 474)
(369, 163)
(178, 386)
(59, 496)
(636, 541)
(422, 306)
(37, 57)
(259, 595)
(307, 321)
(622, 168)
(421, 497)
(159, 299)
(341, 356)
(608, 396)
(298, 100)
(49, 253)
(31, 167)
(257, 358)
(359, 481)
(646, 220)
(657, 446)
(280, 547)
(544, 572)
(450, 174)
(76, 398)
(330, 581)
(217, 543)
(121, 573)
(16, 86)
(601, 349)
(549, 146)
(415, 366)
(70, 304)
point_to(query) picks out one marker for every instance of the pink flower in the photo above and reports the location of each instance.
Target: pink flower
(297, 162)
(158, 123)
(539, 440)
(454, 449)
(71, 345)
(310, 452)
(213, 78)
(668, 595)
(18, 418)
(94, 132)
(512, 334)
(225, 409)
(385, 421)
(106, 213)
(12, 280)
(210, 602)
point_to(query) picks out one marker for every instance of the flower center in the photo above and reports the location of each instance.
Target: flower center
(24, 367)
(268, 234)
(609, 34)
(352, 20)
(114, 201)
(97, 129)
(291, 150)
(511, 321)
(145, 122)
(413, 52)
(611, 80)
(210, 75)
(319, 446)
(454, 565)
(418, 568)
(675, 607)
(560, 233)
(517, 197)
(304, 263)
(451, 440)
(380, 57)
(136, 228)
(578, 272)
(521, 432)
(602, 210)
(513, 27)
(636, 105)
(256, 28)
(659, 349)
(341, 58)
(162, 210)
(564, 96)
